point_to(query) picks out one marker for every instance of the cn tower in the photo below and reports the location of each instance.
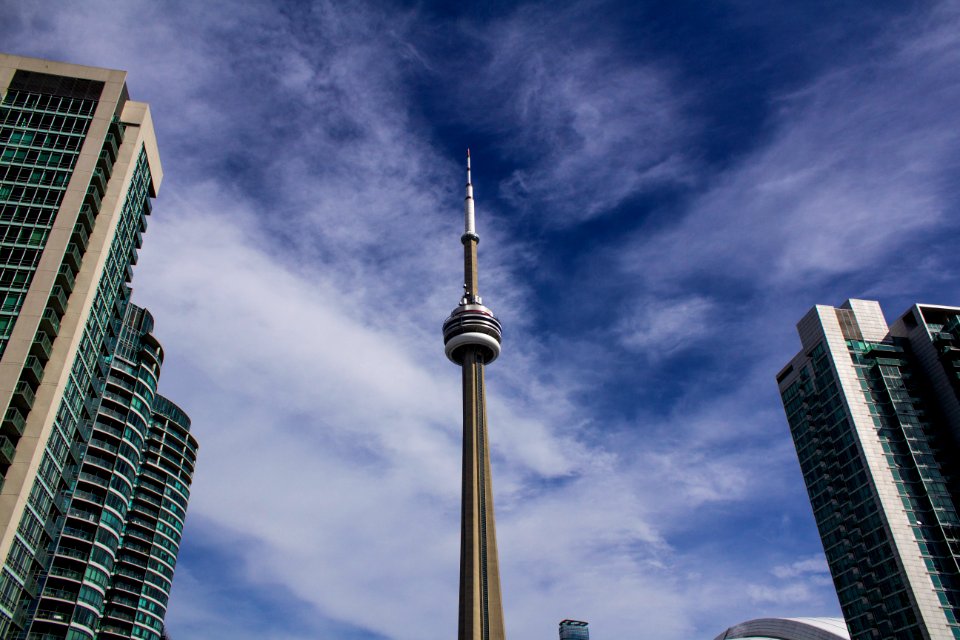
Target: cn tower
(471, 338)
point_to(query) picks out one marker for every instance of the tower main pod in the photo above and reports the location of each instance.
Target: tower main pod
(471, 337)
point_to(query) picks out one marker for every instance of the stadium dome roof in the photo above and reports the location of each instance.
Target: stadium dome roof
(788, 629)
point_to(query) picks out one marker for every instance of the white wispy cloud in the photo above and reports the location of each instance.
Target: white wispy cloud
(589, 126)
(859, 164)
(813, 565)
(660, 327)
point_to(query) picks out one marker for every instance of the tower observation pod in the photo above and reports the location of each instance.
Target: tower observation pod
(471, 338)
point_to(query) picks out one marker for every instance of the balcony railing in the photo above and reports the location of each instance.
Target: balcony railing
(95, 479)
(86, 217)
(23, 396)
(58, 299)
(50, 322)
(72, 256)
(41, 344)
(7, 450)
(66, 278)
(78, 533)
(52, 615)
(33, 370)
(13, 423)
(69, 574)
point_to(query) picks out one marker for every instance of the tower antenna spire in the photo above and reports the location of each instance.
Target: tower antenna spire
(470, 240)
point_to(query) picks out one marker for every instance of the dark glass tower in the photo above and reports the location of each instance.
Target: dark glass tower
(874, 414)
(112, 570)
(471, 338)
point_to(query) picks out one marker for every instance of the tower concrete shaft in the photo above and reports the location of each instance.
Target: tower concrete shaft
(481, 609)
(472, 338)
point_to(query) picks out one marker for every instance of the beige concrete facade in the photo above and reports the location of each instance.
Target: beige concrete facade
(139, 134)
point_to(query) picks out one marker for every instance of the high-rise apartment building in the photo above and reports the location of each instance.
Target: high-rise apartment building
(95, 466)
(574, 630)
(874, 413)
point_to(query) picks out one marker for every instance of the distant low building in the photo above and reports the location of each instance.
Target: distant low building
(788, 629)
(574, 630)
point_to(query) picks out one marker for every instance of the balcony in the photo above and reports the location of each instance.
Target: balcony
(20, 617)
(136, 575)
(32, 370)
(104, 410)
(77, 449)
(88, 496)
(91, 405)
(7, 451)
(53, 526)
(110, 146)
(135, 533)
(31, 585)
(105, 164)
(102, 444)
(120, 615)
(147, 498)
(60, 594)
(124, 601)
(96, 386)
(98, 180)
(87, 217)
(136, 547)
(13, 423)
(52, 615)
(80, 236)
(23, 396)
(120, 302)
(94, 479)
(94, 199)
(73, 257)
(80, 534)
(116, 129)
(50, 322)
(110, 429)
(66, 278)
(62, 502)
(143, 522)
(58, 299)
(84, 429)
(73, 554)
(103, 463)
(80, 514)
(42, 346)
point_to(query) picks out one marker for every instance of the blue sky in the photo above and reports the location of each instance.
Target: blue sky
(663, 189)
